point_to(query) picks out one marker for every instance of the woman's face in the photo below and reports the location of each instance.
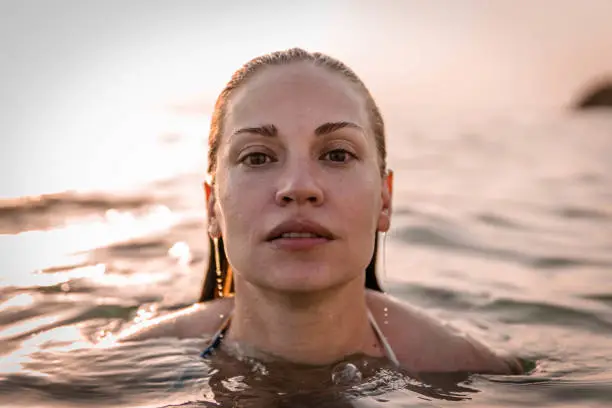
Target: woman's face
(298, 195)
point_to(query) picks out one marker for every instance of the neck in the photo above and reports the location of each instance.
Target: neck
(306, 328)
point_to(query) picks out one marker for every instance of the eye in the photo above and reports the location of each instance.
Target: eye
(339, 156)
(256, 159)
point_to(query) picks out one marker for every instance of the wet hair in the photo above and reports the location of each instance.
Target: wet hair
(240, 77)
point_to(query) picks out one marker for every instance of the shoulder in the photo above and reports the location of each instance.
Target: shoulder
(194, 321)
(424, 344)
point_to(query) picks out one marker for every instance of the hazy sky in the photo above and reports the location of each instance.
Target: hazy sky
(71, 68)
(500, 53)
(466, 52)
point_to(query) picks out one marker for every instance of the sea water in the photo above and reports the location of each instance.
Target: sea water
(502, 227)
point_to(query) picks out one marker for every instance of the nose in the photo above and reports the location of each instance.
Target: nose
(300, 186)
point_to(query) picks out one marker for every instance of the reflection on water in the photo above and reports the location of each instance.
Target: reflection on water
(503, 229)
(172, 372)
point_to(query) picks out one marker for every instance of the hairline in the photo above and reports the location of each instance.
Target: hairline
(358, 86)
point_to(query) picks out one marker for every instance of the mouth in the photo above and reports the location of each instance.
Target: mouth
(300, 230)
(297, 235)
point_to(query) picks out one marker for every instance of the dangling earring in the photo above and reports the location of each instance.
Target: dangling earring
(227, 286)
(384, 256)
(218, 268)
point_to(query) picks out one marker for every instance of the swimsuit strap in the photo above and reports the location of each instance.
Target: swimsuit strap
(213, 344)
(383, 340)
(218, 336)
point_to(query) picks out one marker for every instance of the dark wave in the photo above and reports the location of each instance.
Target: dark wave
(74, 315)
(581, 213)
(45, 211)
(499, 221)
(516, 311)
(434, 296)
(70, 200)
(605, 298)
(453, 241)
(506, 310)
(144, 248)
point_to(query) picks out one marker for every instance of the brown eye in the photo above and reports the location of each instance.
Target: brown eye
(338, 156)
(256, 159)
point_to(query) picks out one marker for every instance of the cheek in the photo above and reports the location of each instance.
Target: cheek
(240, 200)
(359, 197)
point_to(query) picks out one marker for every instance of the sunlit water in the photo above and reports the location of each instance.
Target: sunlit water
(502, 227)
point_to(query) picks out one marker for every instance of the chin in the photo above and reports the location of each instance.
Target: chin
(303, 280)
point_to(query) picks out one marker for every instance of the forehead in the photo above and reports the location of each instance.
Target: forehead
(296, 95)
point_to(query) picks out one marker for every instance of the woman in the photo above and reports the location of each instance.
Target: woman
(297, 194)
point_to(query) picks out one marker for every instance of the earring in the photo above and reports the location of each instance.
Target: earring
(218, 268)
(384, 256)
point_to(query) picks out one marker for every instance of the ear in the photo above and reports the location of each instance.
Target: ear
(213, 224)
(384, 218)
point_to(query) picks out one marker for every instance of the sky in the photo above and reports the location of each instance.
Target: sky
(81, 73)
(491, 53)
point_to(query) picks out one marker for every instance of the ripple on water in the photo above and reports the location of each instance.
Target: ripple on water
(452, 240)
(509, 310)
(529, 312)
(46, 211)
(164, 371)
(605, 298)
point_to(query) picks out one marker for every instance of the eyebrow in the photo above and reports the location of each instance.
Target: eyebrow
(331, 127)
(264, 130)
(272, 131)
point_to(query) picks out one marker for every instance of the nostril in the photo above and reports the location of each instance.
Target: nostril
(300, 197)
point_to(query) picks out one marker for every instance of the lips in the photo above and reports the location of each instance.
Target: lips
(299, 229)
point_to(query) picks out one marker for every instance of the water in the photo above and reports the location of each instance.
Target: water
(502, 227)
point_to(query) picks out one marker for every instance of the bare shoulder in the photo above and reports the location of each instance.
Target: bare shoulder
(194, 321)
(424, 344)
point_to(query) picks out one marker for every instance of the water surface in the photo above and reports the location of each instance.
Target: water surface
(502, 227)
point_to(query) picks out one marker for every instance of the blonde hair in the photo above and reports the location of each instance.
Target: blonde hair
(286, 57)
